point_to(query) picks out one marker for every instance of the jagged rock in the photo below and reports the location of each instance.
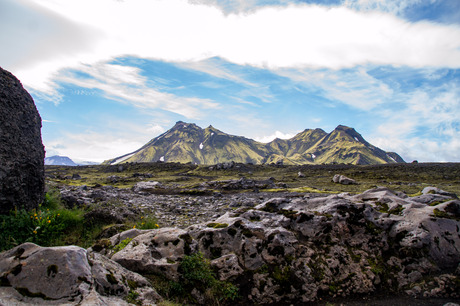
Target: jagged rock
(69, 275)
(435, 190)
(342, 179)
(22, 178)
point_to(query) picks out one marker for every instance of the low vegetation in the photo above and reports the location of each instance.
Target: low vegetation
(53, 225)
(49, 225)
(186, 178)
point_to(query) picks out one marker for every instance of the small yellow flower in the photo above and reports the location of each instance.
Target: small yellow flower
(134, 226)
(36, 218)
(156, 225)
(49, 221)
(35, 215)
(35, 232)
(142, 217)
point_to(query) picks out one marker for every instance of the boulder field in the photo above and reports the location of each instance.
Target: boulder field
(286, 250)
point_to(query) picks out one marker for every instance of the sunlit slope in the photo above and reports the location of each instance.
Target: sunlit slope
(345, 145)
(187, 142)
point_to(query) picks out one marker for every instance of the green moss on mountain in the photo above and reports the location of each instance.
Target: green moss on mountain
(188, 143)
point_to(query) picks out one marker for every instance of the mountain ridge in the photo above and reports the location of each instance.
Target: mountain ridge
(187, 142)
(57, 160)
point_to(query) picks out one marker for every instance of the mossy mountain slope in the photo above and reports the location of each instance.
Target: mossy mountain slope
(187, 142)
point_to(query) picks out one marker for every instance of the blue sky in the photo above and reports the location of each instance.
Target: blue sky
(109, 75)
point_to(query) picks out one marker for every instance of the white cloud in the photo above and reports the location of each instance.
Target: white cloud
(155, 129)
(426, 128)
(127, 85)
(176, 30)
(92, 146)
(216, 69)
(36, 42)
(115, 138)
(394, 7)
(353, 87)
(275, 135)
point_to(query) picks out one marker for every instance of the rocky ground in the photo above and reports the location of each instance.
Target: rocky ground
(278, 248)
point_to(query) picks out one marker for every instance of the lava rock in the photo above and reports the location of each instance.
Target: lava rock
(22, 175)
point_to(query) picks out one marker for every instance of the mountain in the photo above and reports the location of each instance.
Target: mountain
(59, 161)
(187, 142)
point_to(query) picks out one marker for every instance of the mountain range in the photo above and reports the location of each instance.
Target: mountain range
(187, 142)
(57, 160)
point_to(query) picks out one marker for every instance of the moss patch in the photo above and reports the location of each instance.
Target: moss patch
(217, 225)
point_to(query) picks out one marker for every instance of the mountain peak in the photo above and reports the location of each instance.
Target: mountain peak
(187, 142)
(344, 128)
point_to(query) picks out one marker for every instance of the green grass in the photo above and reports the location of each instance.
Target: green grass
(50, 225)
(43, 226)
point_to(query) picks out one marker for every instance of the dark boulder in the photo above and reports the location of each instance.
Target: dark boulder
(22, 179)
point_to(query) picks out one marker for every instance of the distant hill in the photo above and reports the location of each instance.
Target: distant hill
(59, 161)
(187, 142)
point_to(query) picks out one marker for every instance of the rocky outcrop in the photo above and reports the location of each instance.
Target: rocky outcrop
(30, 274)
(21, 149)
(300, 249)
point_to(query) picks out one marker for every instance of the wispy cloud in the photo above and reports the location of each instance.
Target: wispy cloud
(127, 85)
(215, 68)
(353, 87)
(426, 127)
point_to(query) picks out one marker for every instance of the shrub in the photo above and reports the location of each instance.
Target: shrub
(196, 272)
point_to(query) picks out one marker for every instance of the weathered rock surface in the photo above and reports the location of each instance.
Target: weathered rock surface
(22, 154)
(300, 249)
(30, 274)
(278, 249)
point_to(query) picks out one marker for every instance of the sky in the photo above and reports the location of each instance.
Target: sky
(109, 75)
